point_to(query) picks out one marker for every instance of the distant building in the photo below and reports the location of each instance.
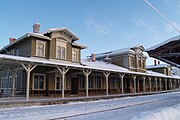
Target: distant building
(49, 64)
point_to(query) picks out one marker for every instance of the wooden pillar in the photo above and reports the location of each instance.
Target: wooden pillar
(122, 82)
(149, 84)
(106, 74)
(63, 71)
(171, 83)
(155, 82)
(138, 85)
(160, 84)
(166, 84)
(134, 79)
(28, 69)
(13, 72)
(144, 83)
(87, 73)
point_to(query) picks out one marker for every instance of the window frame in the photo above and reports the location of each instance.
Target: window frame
(63, 47)
(60, 82)
(44, 81)
(44, 47)
(74, 55)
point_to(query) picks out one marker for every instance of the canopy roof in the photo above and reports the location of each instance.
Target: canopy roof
(11, 62)
(167, 51)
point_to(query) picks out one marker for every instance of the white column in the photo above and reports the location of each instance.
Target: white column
(87, 73)
(122, 82)
(28, 69)
(106, 74)
(144, 83)
(171, 83)
(138, 84)
(160, 84)
(134, 79)
(13, 83)
(13, 72)
(150, 84)
(156, 84)
(63, 71)
(166, 83)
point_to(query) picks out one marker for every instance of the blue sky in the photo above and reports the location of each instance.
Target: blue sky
(102, 25)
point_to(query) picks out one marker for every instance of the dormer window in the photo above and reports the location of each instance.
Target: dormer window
(74, 55)
(61, 49)
(40, 48)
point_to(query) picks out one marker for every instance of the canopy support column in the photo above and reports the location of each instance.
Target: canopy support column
(149, 84)
(63, 71)
(160, 84)
(134, 79)
(144, 83)
(156, 84)
(87, 73)
(28, 69)
(106, 74)
(166, 84)
(122, 82)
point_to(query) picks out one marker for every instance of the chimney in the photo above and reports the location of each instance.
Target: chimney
(158, 62)
(36, 28)
(93, 57)
(12, 40)
(155, 63)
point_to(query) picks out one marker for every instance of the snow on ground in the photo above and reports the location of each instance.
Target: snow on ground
(169, 113)
(129, 108)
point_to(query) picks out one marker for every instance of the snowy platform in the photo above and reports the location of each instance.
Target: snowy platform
(11, 102)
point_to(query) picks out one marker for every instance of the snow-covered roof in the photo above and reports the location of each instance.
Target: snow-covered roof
(79, 45)
(118, 52)
(176, 38)
(157, 66)
(61, 29)
(39, 35)
(85, 64)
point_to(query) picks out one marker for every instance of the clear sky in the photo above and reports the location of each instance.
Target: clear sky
(102, 25)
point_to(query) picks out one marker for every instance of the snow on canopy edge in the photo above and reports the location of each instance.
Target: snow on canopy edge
(176, 38)
(110, 67)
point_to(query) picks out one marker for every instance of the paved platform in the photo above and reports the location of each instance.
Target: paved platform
(21, 101)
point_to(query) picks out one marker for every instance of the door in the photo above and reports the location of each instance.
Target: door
(74, 85)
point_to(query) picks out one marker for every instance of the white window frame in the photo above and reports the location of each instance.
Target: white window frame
(100, 79)
(2, 82)
(44, 83)
(62, 45)
(17, 52)
(75, 55)
(60, 83)
(5, 82)
(44, 44)
(10, 81)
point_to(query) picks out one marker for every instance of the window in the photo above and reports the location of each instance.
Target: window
(82, 82)
(61, 49)
(98, 82)
(10, 82)
(132, 62)
(5, 82)
(40, 48)
(91, 82)
(74, 55)
(12, 52)
(39, 81)
(144, 64)
(2, 82)
(17, 52)
(139, 61)
(58, 82)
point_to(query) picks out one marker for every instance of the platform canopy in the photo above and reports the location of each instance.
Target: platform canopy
(167, 51)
